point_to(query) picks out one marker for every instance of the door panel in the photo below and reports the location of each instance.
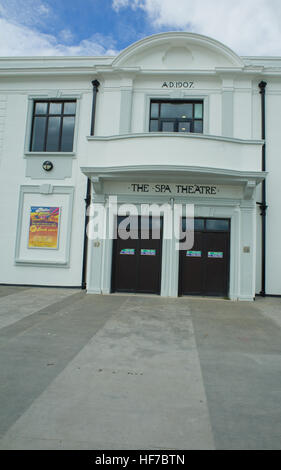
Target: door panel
(138, 270)
(217, 252)
(125, 265)
(149, 271)
(205, 269)
(192, 267)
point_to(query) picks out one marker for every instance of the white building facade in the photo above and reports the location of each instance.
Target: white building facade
(175, 119)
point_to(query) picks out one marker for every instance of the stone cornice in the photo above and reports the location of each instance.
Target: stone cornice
(102, 66)
(166, 171)
(174, 136)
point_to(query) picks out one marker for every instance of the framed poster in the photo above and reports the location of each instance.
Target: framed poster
(44, 227)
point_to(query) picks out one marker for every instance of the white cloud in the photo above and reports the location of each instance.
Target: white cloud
(249, 27)
(25, 12)
(23, 41)
(66, 35)
(20, 34)
(118, 4)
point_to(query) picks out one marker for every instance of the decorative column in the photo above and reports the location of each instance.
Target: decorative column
(96, 85)
(247, 250)
(126, 106)
(227, 107)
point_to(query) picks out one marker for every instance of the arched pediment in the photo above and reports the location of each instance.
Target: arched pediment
(177, 51)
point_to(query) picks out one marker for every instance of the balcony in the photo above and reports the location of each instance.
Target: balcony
(173, 149)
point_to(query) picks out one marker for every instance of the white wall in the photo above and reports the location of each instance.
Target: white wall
(12, 177)
(273, 131)
(14, 92)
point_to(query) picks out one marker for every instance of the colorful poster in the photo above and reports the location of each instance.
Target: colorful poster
(215, 254)
(194, 254)
(148, 252)
(44, 227)
(127, 251)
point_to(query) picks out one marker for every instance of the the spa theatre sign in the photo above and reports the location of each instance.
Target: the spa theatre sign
(180, 189)
(188, 190)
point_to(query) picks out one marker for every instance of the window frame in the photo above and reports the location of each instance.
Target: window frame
(47, 115)
(206, 219)
(177, 121)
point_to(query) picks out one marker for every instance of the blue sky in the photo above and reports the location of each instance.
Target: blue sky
(99, 17)
(105, 27)
(89, 18)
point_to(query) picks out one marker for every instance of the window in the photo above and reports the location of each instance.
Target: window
(176, 116)
(53, 126)
(209, 225)
(218, 225)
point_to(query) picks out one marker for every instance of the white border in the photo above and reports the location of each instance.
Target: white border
(24, 189)
(54, 95)
(191, 95)
(100, 260)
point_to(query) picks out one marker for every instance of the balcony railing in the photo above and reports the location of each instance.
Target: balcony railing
(187, 150)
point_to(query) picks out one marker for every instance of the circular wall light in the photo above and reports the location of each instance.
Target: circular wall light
(47, 166)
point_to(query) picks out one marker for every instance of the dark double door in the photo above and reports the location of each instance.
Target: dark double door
(136, 266)
(204, 270)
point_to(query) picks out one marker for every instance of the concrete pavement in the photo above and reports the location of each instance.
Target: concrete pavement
(131, 372)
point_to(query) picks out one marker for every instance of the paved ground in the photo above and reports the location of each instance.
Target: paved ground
(134, 372)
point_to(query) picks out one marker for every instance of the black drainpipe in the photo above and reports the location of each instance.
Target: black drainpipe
(263, 205)
(96, 85)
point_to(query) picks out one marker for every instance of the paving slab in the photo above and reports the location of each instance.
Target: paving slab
(270, 307)
(120, 372)
(136, 384)
(21, 304)
(35, 350)
(240, 356)
(8, 290)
